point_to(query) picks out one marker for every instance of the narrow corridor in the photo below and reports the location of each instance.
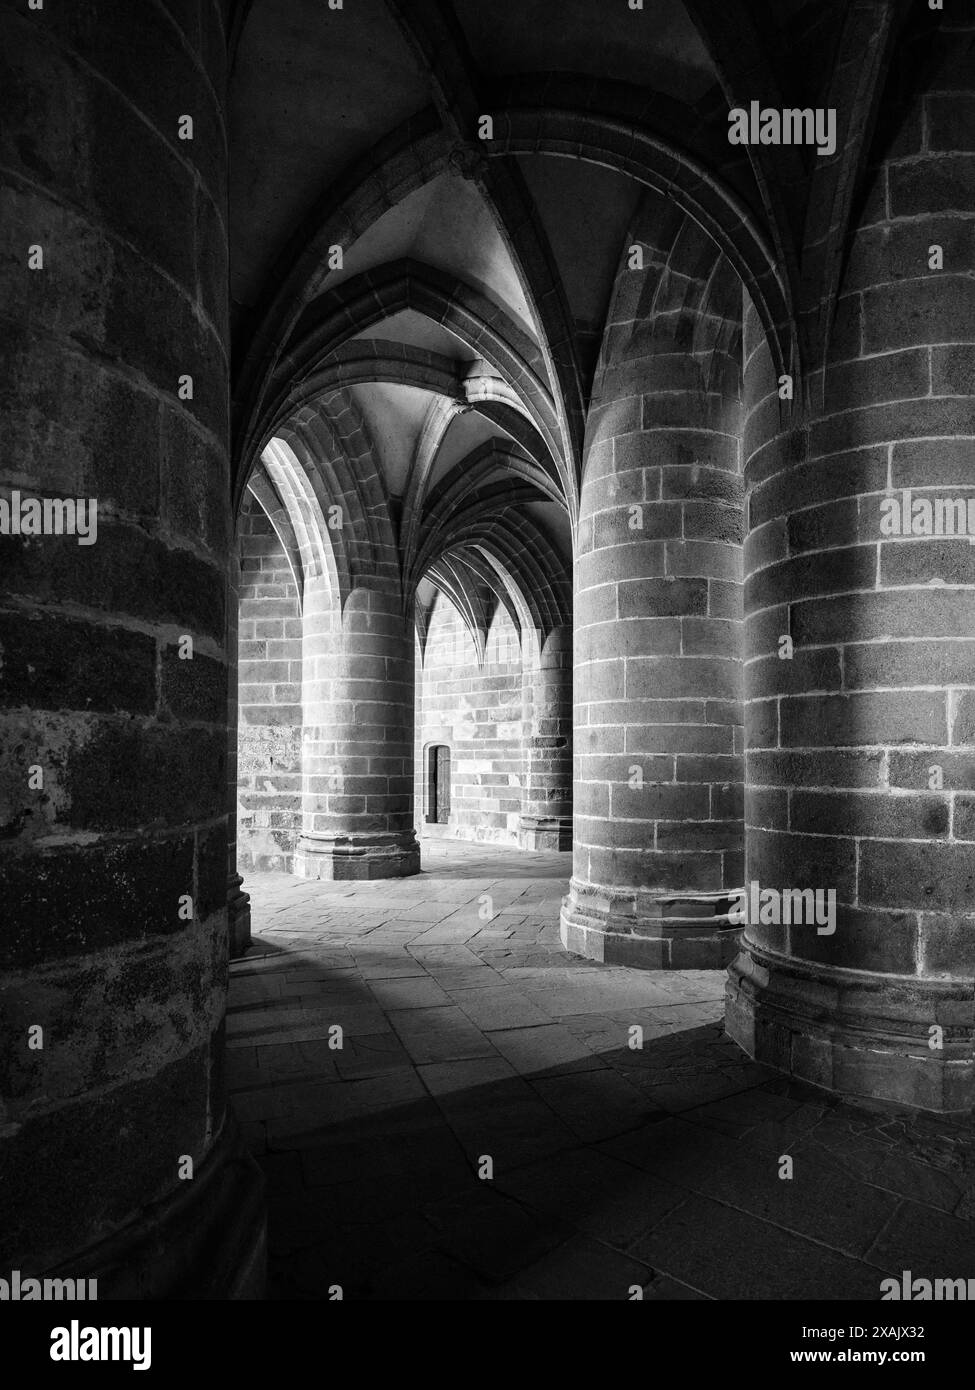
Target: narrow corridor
(468, 1034)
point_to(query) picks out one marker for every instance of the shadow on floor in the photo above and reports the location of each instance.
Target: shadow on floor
(487, 1129)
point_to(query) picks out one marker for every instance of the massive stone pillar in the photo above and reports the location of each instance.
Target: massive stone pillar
(546, 809)
(861, 747)
(657, 729)
(118, 1159)
(357, 753)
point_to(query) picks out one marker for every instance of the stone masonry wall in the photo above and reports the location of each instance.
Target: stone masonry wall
(269, 684)
(478, 713)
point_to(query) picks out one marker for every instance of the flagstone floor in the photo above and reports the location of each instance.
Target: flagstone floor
(447, 1106)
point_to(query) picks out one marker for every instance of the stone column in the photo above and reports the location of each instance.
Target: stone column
(861, 747)
(357, 754)
(657, 729)
(113, 683)
(546, 814)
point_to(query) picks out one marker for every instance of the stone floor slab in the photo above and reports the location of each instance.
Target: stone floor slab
(616, 1170)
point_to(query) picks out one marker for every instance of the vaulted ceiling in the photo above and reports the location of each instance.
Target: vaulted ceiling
(463, 319)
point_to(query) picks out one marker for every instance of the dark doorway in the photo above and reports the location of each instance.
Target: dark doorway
(438, 784)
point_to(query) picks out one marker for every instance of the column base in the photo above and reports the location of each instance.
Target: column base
(238, 917)
(208, 1241)
(856, 1033)
(545, 833)
(340, 857)
(649, 931)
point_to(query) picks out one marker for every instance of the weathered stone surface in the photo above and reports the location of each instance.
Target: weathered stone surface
(656, 822)
(863, 752)
(114, 879)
